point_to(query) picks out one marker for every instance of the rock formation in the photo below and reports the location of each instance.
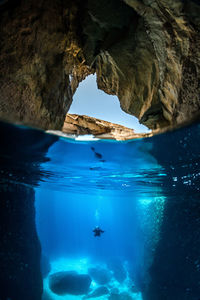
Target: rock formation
(69, 282)
(81, 125)
(175, 269)
(45, 266)
(100, 275)
(20, 274)
(98, 292)
(146, 52)
(20, 248)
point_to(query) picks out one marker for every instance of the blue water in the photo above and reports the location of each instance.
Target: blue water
(98, 184)
(135, 191)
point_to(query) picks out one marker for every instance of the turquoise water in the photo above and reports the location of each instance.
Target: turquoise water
(98, 184)
(143, 193)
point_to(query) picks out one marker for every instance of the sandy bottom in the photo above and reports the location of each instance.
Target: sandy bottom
(81, 266)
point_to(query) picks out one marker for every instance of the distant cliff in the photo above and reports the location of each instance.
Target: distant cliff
(81, 125)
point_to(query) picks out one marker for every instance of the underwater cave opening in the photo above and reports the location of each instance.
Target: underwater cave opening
(65, 223)
(90, 101)
(145, 198)
(93, 184)
(143, 204)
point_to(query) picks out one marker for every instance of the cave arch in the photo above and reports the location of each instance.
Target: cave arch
(90, 101)
(127, 43)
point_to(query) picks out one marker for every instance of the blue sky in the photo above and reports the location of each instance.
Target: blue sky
(90, 101)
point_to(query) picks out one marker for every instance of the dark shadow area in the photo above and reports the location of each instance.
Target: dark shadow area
(175, 271)
(21, 153)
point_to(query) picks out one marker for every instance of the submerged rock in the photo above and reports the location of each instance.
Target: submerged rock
(62, 283)
(45, 266)
(98, 292)
(121, 296)
(100, 275)
(46, 296)
(118, 269)
(114, 290)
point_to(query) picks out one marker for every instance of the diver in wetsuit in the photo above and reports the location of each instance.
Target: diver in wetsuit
(98, 231)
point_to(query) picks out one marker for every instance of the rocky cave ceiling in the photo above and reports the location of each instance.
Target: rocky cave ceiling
(147, 52)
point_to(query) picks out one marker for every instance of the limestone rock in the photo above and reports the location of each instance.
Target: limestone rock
(121, 296)
(145, 52)
(98, 292)
(45, 265)
(20, 276)
(178, 244)
(80, 125)
(62, 283)
(100, 275)
(46, 296)
(118, 269)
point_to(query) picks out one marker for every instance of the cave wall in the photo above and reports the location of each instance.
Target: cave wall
(21, 153)
(145, 52)
(33, 85)
(150, 58)
(175, 270)
(20, 275)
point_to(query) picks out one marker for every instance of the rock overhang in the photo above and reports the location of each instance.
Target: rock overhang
(145, 52)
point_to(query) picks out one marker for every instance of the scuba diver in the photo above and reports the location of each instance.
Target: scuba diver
(98, 231)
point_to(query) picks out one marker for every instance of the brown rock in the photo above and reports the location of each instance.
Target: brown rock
(145, 52)
(82, 125)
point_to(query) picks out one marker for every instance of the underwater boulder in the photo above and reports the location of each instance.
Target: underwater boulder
(98, 292)
(100, 275)
(121, 296)
(46, 296)
(45, 265)
(114, 290)
(69, 282)
(118, 269)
